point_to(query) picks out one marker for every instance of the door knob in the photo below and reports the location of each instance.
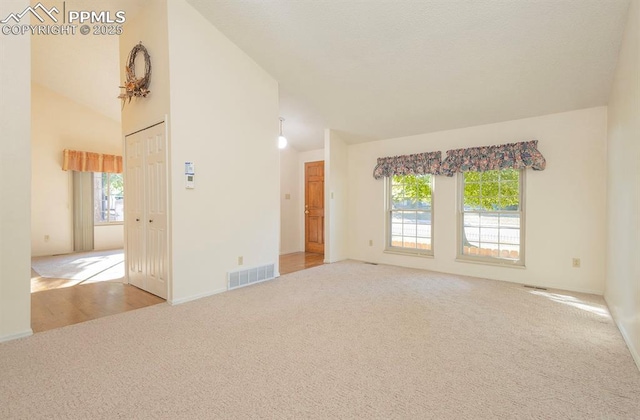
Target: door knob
(150, 220)
(306, 212)
(137, 220)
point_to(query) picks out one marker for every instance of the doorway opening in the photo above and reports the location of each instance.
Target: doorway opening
(314, 207)
(72, 288)
(86, 120)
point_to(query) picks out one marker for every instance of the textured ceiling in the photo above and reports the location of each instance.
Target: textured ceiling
(381, 69)
(384, 69)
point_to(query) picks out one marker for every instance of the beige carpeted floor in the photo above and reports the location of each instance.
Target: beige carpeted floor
(346, 340)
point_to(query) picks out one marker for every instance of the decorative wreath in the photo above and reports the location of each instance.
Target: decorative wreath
(138, 87)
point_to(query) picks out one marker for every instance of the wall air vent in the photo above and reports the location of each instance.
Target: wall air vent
(248, 276)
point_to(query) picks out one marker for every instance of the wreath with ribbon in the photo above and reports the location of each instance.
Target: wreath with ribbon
(136, 86)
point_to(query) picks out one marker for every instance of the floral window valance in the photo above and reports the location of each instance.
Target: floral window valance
(504, 156)
(418, 164)
(74, 160)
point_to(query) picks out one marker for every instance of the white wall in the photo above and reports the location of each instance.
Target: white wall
(565, 209)
(58, 123)
(224, 117)
(622, 291)
(336, 197)
(108, 237)
(150, 28)
(290, 208)
(15, 180)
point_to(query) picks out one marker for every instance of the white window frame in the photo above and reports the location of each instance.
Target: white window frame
(109, 221)
(485, 259)
(389, 248)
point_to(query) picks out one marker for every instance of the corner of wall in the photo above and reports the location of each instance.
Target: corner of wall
(15, 180)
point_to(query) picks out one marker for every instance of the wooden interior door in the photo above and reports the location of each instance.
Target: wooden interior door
(314, 207)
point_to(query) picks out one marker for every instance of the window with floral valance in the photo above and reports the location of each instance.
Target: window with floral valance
(74, 160)
(417, 164)
(520, 155)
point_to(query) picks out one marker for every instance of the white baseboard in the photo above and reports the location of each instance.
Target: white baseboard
(10, 337)
(634, 351)
(196, 297)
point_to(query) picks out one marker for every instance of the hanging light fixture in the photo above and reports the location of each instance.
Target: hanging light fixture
(282, 140)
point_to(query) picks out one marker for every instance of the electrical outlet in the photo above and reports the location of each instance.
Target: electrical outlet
(46, 238)
(575, 262)
(370, 242)
(240, 260)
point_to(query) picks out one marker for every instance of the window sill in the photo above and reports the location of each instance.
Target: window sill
(490, 262)
(408, 253)
(108, 224)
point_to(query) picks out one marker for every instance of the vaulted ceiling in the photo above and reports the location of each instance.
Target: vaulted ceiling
(84, 68)
(379, 69)
(389, 68)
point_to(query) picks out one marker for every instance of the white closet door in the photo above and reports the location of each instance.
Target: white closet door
(146, 203)
(134, 209)
(156, 205)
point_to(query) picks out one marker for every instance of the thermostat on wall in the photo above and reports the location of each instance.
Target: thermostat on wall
(189, 181)
(189, 175)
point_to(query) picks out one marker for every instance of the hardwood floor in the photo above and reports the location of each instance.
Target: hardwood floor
(57, 303)
(57, 308)
(290, 263)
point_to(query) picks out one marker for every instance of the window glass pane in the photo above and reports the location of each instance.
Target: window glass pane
(509, 188)
(472, 177)
(510, 236)
(510, 252)
(424, 231)
(424, 243)
(472, 203)
(488, 220)
(472, 236)
(409, 243)
(471, 219)
(472, 189)
(509, 204)
(490, 176)
(116, 198)
(108, 198)
(100, 193)
(410, 212)
(510, 174)
(491, 217)
(510, 221)
(397, 195)
(490, 189)
(488, 235)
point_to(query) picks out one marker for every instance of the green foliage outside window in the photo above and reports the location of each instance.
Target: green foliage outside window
(492, 190)
(116, 184)
(413, 188)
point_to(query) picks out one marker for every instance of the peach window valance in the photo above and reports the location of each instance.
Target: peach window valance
(74, 160)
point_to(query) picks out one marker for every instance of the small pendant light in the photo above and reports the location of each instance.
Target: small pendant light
(282, 140)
